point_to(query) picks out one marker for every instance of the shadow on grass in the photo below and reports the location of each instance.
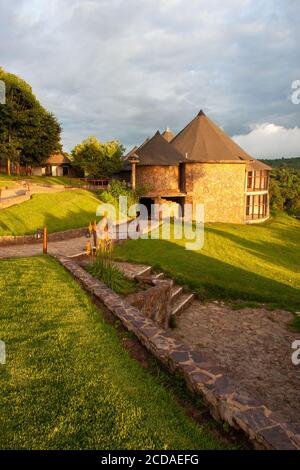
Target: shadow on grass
(207, 276)
(24, 220)
(275, 253)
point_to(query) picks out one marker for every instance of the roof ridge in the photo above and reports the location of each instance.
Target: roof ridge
(180, 132)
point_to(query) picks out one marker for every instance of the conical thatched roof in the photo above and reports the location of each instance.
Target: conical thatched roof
(168, 134)
(157, 151)
(203, 141)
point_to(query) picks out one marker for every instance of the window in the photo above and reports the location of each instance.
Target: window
(257, 206)
(257, 180)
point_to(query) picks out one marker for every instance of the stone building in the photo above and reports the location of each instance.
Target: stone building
(202, 164)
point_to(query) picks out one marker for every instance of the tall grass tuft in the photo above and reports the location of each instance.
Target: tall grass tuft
(104, 269)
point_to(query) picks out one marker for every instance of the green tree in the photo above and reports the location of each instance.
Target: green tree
(29, 134)
(285, 190)
(96, 159)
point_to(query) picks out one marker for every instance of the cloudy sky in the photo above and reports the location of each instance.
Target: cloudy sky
(125, 68)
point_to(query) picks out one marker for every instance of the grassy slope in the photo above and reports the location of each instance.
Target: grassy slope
(68, 383)
(59, 211)
(3, 184)
(258, 262)
(50, 180)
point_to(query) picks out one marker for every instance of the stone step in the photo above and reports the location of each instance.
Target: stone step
(176, 291)
(157, 277)
(144, 272)
(182, 303)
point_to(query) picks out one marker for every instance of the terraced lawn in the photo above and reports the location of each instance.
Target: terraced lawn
(52, 180)
(68, 383)
(250, 262)
(58, 211)
(3, 184)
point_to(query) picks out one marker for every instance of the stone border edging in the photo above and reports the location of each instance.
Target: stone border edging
(56, 236)
(221, 394)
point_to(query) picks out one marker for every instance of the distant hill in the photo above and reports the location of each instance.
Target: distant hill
(292, 163)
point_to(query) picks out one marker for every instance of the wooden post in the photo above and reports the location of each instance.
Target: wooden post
(134, 159)
(133, 176)
(45, 240)
(95, 233)
(90, 229)
(8, 167)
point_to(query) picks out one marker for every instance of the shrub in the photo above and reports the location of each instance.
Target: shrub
(119, 188)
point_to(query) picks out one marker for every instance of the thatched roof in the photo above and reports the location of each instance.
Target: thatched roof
(58, 159)
(203, 141)
(168, 134)
(157, 151)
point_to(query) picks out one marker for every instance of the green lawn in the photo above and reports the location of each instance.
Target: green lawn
(49, 180)
(253, 262)
(6, 183)
(68, 383)
(59, 211)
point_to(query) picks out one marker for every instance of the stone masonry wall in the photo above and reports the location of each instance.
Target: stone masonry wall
(220, 187)
(154, 303)
(158, 180)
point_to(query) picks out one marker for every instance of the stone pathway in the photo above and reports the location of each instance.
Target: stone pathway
(22, 192)
(71, 247)
(254, 348)
(16, 195)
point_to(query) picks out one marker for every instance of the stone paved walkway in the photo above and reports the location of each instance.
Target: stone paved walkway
(22, 192)
(70, 247)
(253, 346)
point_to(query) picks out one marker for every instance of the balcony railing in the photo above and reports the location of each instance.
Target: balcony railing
(91, 184)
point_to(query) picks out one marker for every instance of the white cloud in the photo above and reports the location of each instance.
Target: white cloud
(271, 140)
(124, 68)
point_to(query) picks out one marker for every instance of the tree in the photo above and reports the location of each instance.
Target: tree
(29, 134)
(285, 190)
(98, 160)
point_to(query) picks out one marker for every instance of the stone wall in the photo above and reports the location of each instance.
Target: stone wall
(8, 240)
(220, 187)
(158, 180)
(154, 303)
